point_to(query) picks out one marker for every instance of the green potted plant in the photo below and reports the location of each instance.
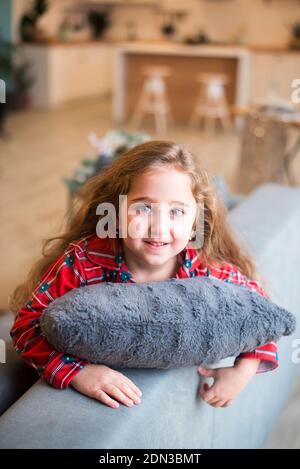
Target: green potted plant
(6, 76)
(99, 22)
(15, 71)
(28, 25)
(23, 80)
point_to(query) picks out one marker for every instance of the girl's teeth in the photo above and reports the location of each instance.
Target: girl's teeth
(157, 244)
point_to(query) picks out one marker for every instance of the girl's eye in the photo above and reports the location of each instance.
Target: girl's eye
(178, 212)
(144, 208)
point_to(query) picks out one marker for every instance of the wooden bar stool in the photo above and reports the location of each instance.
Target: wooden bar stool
(153, 98)
(211, 104)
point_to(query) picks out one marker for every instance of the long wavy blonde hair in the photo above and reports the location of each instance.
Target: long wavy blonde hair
(219, 245)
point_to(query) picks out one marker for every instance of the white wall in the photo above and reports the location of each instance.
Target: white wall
(263, 23)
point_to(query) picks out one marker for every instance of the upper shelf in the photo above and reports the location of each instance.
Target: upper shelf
(120, 3)
(161, 46)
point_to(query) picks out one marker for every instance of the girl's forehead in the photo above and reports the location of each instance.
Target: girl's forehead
(162, 186)
(162, 180)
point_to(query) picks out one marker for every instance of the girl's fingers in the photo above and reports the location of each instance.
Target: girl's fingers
(220, 403)
(101, 396)
(129, 392)
(208, 396)
(206, 372)
(203, 389)
(112, 390)
(131, 384)
(228, 403)
(208, 393)
(214, 401)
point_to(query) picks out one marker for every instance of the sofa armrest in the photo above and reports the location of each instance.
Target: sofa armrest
(267, 223)
(15, 376)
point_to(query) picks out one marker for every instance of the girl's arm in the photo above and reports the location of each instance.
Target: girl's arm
(56, 368)
(266, 354)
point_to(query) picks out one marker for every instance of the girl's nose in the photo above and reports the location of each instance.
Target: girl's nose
(160, 225)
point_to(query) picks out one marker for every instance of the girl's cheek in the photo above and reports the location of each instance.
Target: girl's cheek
(138, 227)
(182, 228)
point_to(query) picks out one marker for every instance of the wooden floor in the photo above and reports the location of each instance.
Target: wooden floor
(45, 147)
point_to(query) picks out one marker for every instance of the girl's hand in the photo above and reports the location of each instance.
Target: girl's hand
(228, 382)
(102, 383)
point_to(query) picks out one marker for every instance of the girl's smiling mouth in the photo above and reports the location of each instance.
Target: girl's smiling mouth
(155, 245)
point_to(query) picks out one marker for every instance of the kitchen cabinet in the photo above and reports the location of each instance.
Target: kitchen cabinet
(66, 72)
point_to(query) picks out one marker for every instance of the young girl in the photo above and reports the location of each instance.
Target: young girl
(154, 174)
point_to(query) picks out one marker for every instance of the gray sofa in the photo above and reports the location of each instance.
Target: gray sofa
(171, 414)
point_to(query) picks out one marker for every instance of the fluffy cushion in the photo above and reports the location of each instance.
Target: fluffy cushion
(173, 323)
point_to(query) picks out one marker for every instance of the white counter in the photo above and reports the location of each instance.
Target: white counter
(171, 48)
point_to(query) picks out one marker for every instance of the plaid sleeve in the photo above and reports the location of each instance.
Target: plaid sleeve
(56, 368)
(267, 353)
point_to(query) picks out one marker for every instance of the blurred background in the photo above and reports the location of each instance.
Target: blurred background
(83, 80)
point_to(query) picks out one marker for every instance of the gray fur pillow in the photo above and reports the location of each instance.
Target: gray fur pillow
(172, 323)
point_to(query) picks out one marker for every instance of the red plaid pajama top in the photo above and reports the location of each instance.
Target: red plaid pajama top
(92, 260)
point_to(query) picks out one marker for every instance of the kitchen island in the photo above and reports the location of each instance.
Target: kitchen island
(64, 72)
(185, 62)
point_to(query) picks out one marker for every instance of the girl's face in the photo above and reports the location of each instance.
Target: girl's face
(161, 211)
